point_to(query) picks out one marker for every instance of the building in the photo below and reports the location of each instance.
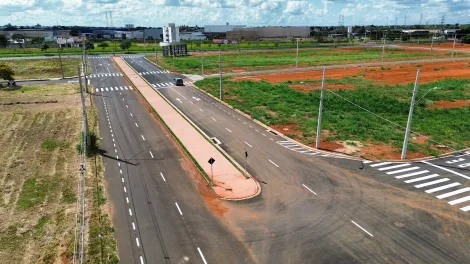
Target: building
(192, 36)
(129, 26)
(242, 34)
(153, 33)
(171, 33)
(171, 45)
(253, 33)
(219, 31)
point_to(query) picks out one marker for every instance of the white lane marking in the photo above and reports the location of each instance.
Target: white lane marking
(256, 130)
(143, 137)
(431, 183)
(451, 171)
(133, 225)
(449, 194)
(130, 114)
(117, 157)
(272, 139)
(202, 256)
(130, 211)
(151, 154)
(141, 260)
(366, 161)
(125, 190)
(403, 170)
(115, 150)
(442, 187)
(119, 164)
(380, 164)
(465, 209)
(136, 125)
(179, 210)
(111, 88)
(120, 171)
(163, 177)
(201, 110)
(411, 174)
(248, 144)
(137, 241)
(213, 119)
(127, 199)
(274, 163)
(122, 180)
(422, 178)
(127, 106)
(106, 89)
(362, 228)
(244, 123)
(309, 189)
(229, 130)
(461, 200)
(123, 99)
(394, 167)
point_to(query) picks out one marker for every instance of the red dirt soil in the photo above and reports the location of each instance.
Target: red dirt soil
(450, 104)
(421, 139)
(458, 46)
(307, 88)
(396, 75)
(382, 151)
(288, 129)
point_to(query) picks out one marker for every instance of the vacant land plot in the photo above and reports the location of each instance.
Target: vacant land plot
(43, 68)
(40, 128)
(252, 61)
(292, 108)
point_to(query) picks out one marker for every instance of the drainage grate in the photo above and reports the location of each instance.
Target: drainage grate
(216, 141)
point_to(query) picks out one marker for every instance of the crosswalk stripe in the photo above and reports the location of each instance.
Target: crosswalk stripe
(305, 151)
(102, 89)
(422, 178)
(380, 164)
(125, 87)
(431, 183)
(449, 194)
(296, 149)
(461, 200)
(153, 85)
(121, 88)
(130, 88)
(111, 88)
(466, 208)
(313, 153)
(411, 174)
(140, 73)
(394, 167)
(97, 89)
(366, 161)
(442, 187)
(106, 89)
(116, 88)
(169, 84)
(402, 170)
(158, 85)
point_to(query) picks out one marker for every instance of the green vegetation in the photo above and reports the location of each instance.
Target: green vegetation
(281, 105)
(6, 71)
(250, 61)
(52, 144)
(43, 68)
(34, 192)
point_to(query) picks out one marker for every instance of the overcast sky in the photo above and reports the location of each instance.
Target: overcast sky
(246, 12)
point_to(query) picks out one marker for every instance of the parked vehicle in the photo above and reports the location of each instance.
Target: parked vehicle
(179, 82)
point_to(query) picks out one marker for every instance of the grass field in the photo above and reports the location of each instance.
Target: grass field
(251, 61)
(281, 106)
(43, 68)
(39, 177)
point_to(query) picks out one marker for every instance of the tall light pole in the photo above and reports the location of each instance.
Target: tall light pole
(297, 55)
(432, 41)
(220, 76)
(383, 46)
(453, 46)
(320, 110)
(156, 55)
(60, 61)
(410, 116)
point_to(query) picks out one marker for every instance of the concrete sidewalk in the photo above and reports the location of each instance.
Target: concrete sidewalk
(230, 183)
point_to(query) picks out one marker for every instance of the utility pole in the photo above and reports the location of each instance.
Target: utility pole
(156, 54)
(453, 46)
(220, 78)
(83, 96)
(410, 116)
(320, 110)
(383, 46)
(60, 61)
(112, 40)
(297, 55)
(432, 41)
(202, 61)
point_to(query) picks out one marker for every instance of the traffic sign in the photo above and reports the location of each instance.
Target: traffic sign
(211, 161)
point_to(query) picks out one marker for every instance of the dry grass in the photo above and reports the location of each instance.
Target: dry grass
(43, 68)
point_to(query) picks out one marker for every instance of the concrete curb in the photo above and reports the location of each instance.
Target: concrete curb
(50, 79)
(226, 155)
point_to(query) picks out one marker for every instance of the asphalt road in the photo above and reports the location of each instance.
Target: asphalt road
(316, 209)
(159, 209)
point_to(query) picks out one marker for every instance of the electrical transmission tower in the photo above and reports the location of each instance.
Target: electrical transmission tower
(111, 18)
(420, 19)
(443, 20)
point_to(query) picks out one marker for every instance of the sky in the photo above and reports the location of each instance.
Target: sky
(156, 13)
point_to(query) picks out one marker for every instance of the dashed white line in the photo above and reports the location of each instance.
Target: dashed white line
(229, 130)
(130, 211)
(141, 260)
(442, 168)
(130, 114)
(119, 164)
(163, 177)
(274, 163)
(125, 190)
(143, 137)
(122, 180)
(248, 144)
(137, 241)
(179, 210)
(309, 189)
(136, 125)
(120, 171)
(202, 256)
(201, 110)
(213, 119)
(133, 225)
(127, 201)
(362, 228)
(151, 154)
(127, 106)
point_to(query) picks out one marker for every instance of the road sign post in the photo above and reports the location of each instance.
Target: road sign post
(211, 161)
(246, 157)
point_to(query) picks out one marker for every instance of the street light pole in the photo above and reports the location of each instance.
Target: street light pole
(156, 54)
(60, 61)
(453, 46)
(383, 46)
(220, 76)
(410, 116)
(432, 41)
(320, 110)
(297, 55)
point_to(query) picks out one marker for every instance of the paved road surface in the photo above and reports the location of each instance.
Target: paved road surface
(158, 211)
(316, 209)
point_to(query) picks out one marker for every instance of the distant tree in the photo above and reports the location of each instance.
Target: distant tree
(37, 40)
(466, 38)
(74, 32)
(3, 41)
(45, 46)
(6, 72)
(405, 37)
(17, 38)
(9, 27)
(103, 45)
(125, 45)
(89, 45)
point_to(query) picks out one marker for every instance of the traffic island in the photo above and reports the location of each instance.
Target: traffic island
(227, 180)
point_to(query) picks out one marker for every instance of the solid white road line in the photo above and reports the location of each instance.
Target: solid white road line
(403, 170)
(163, 177)
(445, 195)
(431, 183)
(202, 256)
(151, 154)
(229, 130)
(120, 171)
(442, 168)
(125, 190)
(127, 199)
(137, 241)
(443, 187)
(130, 211)
(179, 210)
(309, 189)
(133, 225)
(461, 200)
(143, 137)
(362, 228)
(465, 209)
(394, 167)
(274, 163)
(380, 164)
(141, 260)
(248, 144)
(422, 178)
(411, 174)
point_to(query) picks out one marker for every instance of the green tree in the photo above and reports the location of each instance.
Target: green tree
(103, 45)
(74, 32)
(6, 72)
(3, 41)
(466, 38)
(126, 44)
(45, 46)
(89, 45)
